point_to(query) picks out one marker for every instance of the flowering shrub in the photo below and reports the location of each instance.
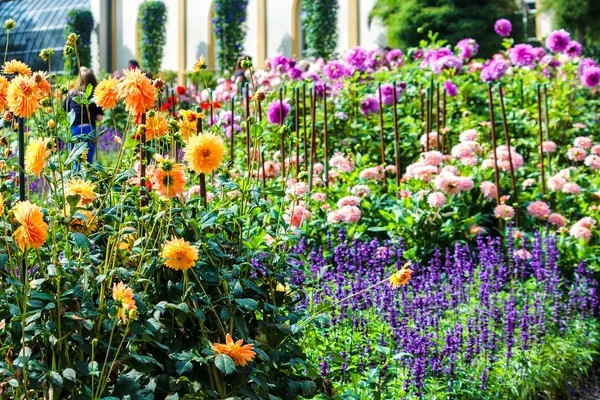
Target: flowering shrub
(152, 18)
(320, 25)
(229, 28)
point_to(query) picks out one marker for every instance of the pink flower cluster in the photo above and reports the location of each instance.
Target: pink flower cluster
(504, 211)
(452, 184)
(346, 213)
(557, 220)
(341, 163)
(349, 201)
(421, 171)
(361, 191)
(489, 190)
(583, 229)
(503, 159)
(436, 199)
(538, 209)
(374, 173)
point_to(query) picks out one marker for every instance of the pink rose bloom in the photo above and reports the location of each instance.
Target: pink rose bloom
(374, 173)
(434, 158)
(576, 154)
(465, 149)
(436, 199)
(522, 254)
(470, 135)
(593, 161)
(317, 168)
(538, 209)
(465, 183)
(587, 222)
(557, 219)
(320, 197)
(548, 146)
(334, 217)
(565, 173)
(468, 161)
(583, 142)
(595, 149)
(571, 187)
(447, 183)
(503, 158)
(487, 163)
(577, 231)
(341, 163)
(555, 183)
(432, 139)
(348, 201)
(350, 214)
(424, 172)
(528, 182)
(405, 194)
(361, 191)
(272, 169)
(391, 169)
(504, 211)
(488, 189)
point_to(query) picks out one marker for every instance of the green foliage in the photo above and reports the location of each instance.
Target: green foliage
(80, 22)
(580, 17)
(408, 21)
(320, 25)
(230, 29)
(152, 18)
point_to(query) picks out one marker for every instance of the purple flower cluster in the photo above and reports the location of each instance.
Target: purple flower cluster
(277, 112)
(493, 70)
(523, 55)
(369, 105)
(467, 48)
(558, 41)
(503, 27)
(465, 309)
(387, 93)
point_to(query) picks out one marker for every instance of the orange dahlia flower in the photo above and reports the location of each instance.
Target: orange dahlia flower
(156, 126)
(136, 89)
(33, 229)
(106, 93)
(180, 255)
(401, 277)
(124, 301)
(204, 152)
(41, 83)
(3, 93)
(15, 67)
(169, 177)
(81, 188)
(36, 155)
(23, 96)
(240, 354)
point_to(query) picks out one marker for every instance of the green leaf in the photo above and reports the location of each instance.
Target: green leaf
(248, 304)
(183, 366)
(81, 241)
(69, 374)
(56, 379)
(76, 153)
(225, 364)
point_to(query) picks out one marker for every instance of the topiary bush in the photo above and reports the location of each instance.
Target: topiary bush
(80, 22)
(152, 18)
(321, 27)
(230, 29)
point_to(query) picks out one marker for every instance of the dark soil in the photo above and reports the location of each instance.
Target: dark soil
(589, 389)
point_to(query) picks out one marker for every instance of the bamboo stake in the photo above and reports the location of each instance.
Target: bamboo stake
(282, 133)
(202, 176)
(381, 140)
(313, 139)
(325, 137)
(297, 128)
(437, 115)
(22, 183)
(232, 139)
(396, 138)
(507, 140)
(493, 126)
(428, 119)
(304, 124)
(541, 139)
(547, 126)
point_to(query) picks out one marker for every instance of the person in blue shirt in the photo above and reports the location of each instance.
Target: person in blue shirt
(86, 117)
